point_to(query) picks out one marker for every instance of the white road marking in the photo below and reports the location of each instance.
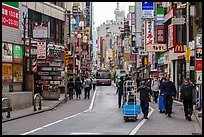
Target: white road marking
(90, 107)
(134, 131)
(32, 131)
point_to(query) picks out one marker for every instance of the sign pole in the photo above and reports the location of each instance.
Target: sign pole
(187, 39)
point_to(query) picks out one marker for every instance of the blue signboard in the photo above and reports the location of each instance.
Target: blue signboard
(147, 5)
(159, 22)
(74, 26)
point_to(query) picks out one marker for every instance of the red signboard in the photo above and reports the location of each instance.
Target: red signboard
(171, 36)
(198, 65)
(160, 33)
(70, 60)
(10, 17)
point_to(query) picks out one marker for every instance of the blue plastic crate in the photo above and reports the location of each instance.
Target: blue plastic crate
(131, 109)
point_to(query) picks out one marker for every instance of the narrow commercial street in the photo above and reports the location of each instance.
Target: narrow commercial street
(55, 53)
(103, 117)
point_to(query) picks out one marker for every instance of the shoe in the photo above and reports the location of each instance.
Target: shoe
(166, 113)
(189, 118)
(169, 115)
(186, 117)
(145, 117)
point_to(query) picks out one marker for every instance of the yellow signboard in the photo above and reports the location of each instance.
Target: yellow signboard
(188, 52)
(145, 60)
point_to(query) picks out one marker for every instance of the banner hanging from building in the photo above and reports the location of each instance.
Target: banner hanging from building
(7, 52)
(6, 72)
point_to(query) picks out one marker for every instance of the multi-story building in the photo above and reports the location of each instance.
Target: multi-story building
(16, 65)
(108, 32)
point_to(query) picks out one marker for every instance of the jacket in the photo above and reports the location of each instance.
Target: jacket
(168, 88)
(144, 93)
(120, 87)
(186, 91)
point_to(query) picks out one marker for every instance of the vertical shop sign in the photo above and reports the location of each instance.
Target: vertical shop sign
(17, 73)
(6, 72)
(6, 52)
(199, 53)
(171, 36)
(10, 14)
(149, 32)
(198, 65)
(160, 33)
(17, 53)
(41, 50)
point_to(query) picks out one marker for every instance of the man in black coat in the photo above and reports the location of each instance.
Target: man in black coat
(145, 94)
(168, 88)
(78, 85)
(120, 91)
(187, 97)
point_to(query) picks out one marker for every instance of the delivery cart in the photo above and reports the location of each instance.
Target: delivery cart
(130, 108)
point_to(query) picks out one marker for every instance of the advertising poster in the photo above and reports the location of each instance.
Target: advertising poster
(17, 73)
(6, 52)
(17, 53)
(41, 50)
(6, 72)
(199, 53)
(198, 77)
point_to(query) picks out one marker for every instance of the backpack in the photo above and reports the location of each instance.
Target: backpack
(186, 92)
(86, 83)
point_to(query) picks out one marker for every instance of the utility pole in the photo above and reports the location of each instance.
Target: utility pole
(66, 42)
(187, 39)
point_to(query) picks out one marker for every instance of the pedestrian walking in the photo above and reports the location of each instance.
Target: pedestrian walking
(120, 91)
(70, 88)
(168, 88)
(155, 89)
(94, 81)
(78, 85)
(145, 94)
(86, 83)
(187, 98)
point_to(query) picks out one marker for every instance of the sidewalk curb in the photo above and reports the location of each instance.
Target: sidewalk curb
(35, 112)
(195, 115)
